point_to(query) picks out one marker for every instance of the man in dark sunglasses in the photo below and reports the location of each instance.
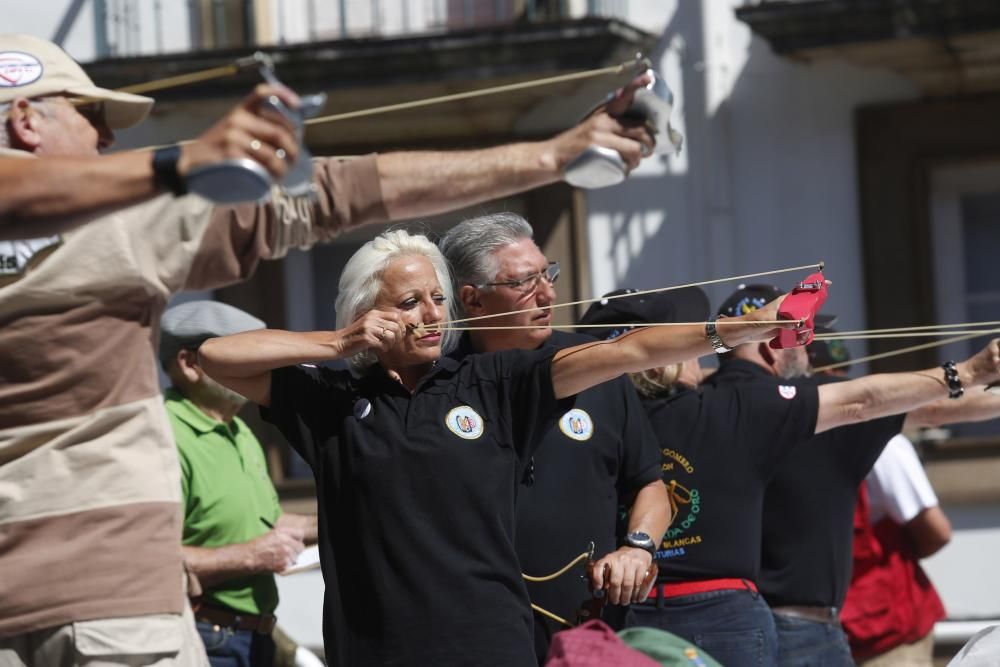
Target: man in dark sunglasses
(602, 456)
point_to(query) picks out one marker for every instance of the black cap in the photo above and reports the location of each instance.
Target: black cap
(689, 304)
(748, 298)
(826, 352)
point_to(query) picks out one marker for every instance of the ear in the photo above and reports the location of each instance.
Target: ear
(766, 354)
(187, 364)
(469, 297)
(23, 126)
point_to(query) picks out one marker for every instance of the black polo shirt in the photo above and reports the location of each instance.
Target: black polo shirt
(721, 445)
(809, 513)
(592, 462)
(416, 500)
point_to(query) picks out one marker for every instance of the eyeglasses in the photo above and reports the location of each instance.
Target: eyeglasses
(529, 284)
(93, 112)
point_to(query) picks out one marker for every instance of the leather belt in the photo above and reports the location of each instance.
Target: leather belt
(829, 615)
(667, 591)
(262, 624)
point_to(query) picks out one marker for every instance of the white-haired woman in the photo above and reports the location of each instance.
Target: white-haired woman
(417, 457)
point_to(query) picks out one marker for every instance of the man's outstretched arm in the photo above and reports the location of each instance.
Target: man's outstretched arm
(424, 183)
(51, 194)
(884, 394)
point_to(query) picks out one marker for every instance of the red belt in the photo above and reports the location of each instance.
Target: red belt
(667, 591)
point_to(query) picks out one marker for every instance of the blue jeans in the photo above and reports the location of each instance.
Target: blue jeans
(236, 648)
(734, 627)
(805, 643)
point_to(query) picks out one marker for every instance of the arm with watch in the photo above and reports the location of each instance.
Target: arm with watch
(53, 194)
(575, 369)
(883, 394)
(625, 568)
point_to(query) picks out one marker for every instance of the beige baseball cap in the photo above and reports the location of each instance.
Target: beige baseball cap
(34, 67)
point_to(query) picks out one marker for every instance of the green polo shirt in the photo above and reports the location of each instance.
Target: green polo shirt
(226, 491)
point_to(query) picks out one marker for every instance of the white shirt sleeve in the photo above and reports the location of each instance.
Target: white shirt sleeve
(897, 485)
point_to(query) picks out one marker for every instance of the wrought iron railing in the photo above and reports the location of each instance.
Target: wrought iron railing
(124, 28)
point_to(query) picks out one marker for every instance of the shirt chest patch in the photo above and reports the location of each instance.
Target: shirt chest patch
(464, 422)
(786, 391)
(362, 408)
(577, 424)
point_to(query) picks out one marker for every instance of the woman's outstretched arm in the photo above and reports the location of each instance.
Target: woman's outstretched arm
(243, 362)
(583, 366)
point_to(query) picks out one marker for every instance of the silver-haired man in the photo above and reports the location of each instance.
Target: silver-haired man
(602, 455)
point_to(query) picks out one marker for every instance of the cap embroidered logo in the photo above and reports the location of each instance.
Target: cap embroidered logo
(787, 391)
(749, 304)
(577, 424)
(18, 69)
(464, 422)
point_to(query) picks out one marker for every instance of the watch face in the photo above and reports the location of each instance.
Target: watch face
(639, 539)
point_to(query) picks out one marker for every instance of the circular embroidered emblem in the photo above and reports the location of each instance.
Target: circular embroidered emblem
(18, 69)
(577, 424)
(464, 422)
(787, 391)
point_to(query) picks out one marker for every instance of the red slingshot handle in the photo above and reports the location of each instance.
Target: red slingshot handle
(803, 303)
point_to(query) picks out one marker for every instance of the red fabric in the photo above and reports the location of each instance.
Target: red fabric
(890, 601)
(707, 586)
(593, 644)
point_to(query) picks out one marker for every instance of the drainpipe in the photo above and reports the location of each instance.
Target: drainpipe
(101, 45)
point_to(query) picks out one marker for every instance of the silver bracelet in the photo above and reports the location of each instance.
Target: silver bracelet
(712, 334)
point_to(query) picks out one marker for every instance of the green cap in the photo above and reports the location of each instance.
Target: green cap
(666, 648)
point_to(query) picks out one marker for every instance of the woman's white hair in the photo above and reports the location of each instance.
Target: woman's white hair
(361, 281)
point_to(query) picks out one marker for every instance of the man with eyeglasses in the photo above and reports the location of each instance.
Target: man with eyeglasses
(600, 461)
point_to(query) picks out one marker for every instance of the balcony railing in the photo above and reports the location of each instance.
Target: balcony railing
(124, 28)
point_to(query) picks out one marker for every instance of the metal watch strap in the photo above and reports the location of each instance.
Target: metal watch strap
(165, 169)
(712, 334)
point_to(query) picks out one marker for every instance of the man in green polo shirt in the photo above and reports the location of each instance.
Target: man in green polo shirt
(235, 533)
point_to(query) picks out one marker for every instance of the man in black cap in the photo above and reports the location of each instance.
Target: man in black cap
(722, 443)
(235, 533)
(809, 503)
(809, 516)
(601, 457)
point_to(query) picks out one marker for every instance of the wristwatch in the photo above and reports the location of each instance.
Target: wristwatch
(641, 540)
(165, 169)
(712, 334)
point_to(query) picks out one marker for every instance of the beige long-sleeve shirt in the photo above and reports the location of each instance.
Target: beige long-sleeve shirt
(90, 520)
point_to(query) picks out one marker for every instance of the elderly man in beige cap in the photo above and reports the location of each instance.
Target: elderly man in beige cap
(90, 509)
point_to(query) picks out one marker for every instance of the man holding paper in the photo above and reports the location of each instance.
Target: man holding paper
(235, 533)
